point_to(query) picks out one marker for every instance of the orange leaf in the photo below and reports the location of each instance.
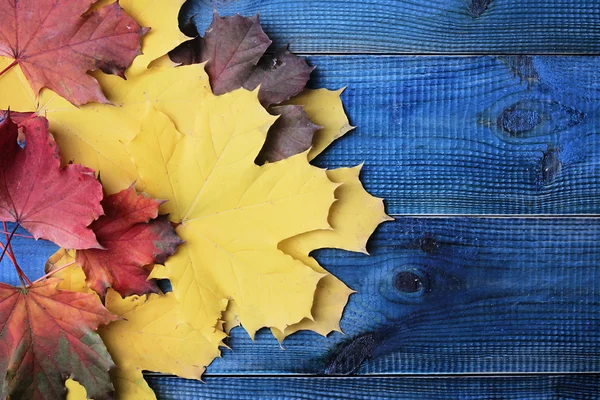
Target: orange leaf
(48, 335)
(56, 43)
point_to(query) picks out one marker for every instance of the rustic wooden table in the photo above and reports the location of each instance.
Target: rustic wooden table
(478, 123)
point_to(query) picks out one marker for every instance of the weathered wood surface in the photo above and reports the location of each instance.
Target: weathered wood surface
(402, 388)
(432, 26)
(494, 296)
(471, 135)
(478, 135)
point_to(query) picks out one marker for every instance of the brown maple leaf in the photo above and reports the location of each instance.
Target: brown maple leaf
(291, 134)
(234, 48)
(133, 239)
(51, 202)
(48, 335)
(56, 42)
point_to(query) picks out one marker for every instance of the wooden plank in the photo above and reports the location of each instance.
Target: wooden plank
(471, 135)
(494, 296)
(579, 387)
(433, 26)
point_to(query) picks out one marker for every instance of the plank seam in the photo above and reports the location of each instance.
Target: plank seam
(436, 54)
(410, 376)
(499, 216)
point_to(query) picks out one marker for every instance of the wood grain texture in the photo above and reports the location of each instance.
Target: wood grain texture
(580, 387)
(433, 26)
(492, 296)
(471, 135)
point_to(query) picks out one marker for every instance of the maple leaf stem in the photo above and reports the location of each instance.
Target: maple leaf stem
(18, 235)
(15, 62)
(49, 274)
(22, 277)
(8, 248)
(10, 256)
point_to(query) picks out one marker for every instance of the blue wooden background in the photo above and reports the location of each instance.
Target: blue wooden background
(478, 123)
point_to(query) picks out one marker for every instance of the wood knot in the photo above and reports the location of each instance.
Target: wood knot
(518, 121)
(529, 119)
(549, 165)
(408, 282)
(478, 7)
(522, 66)
(349, 356)
(428, 244)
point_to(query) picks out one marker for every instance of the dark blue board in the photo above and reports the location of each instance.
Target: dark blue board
(471, 135)
(495, 295)
(400, 388)
(432, 26)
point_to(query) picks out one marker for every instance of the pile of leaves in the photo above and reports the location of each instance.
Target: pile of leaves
(195, 169)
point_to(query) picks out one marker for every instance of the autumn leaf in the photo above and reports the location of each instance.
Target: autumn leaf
(353, 218)
(133, 239)
(233, 49)
(190, 149)
(280, 76)
(188, 52)
(291, 134)
(231, 232)
(51, 202)
(152, 335)
(232, 46)
(56, 43)
(46, 336)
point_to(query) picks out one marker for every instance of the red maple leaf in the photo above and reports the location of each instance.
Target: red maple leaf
(134, 239)
(48, 335)
(51, 202)
(57, 42)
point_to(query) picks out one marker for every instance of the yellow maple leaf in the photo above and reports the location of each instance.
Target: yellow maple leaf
(233, 213)
(151, 335)
(353, 217)
(95, 134)
(154, 336)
